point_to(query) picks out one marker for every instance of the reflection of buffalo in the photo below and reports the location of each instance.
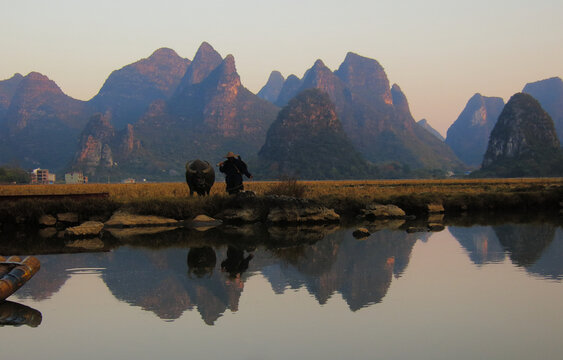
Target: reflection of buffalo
(201, 261)
(200, 177)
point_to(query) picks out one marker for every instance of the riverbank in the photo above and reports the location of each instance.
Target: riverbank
(347, 198)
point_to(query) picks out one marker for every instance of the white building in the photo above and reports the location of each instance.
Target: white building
(76, 177)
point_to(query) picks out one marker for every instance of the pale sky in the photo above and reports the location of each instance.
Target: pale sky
(439, 52)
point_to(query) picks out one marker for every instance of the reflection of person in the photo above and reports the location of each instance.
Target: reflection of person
(235, 263)
(234, 168)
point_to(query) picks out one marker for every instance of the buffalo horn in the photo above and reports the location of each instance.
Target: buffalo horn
(189, 169)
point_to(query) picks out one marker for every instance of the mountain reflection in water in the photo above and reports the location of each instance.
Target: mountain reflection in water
(536, 247)
(182, 270)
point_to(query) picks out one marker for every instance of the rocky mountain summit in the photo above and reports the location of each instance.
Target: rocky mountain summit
(209, 113)
(549, 93)
(468, 136)
(523, 142)
(307, 141)
(129, 91)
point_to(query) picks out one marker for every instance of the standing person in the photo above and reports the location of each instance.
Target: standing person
(234, 168)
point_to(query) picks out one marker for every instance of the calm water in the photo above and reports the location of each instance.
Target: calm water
(480, 292)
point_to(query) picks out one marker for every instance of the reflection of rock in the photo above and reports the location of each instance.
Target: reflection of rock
(86, 244)
(391, 224)
(204, 223)
(436, 218)
(480, 242)
(128, 233)
(525, 242)
(283, 236)
(71, 218)
(436, 227)
(14, 314)
(47, 232)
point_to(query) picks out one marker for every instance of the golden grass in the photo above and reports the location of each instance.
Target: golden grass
(315, 189)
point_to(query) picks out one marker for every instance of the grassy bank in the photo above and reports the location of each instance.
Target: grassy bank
(346, 197)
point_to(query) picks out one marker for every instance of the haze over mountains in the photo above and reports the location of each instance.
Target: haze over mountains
(152, 116)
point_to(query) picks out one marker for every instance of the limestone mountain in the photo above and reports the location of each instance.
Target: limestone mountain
(129, 91)
(307, 141)
(209, 114)
(523, 142)
(273, 87)
(426, 125)
(468, 136)
(375, 116)
(41, 124)
(102, 149)
(549, 93)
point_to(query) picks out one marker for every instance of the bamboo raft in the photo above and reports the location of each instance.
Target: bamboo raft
(14, 273)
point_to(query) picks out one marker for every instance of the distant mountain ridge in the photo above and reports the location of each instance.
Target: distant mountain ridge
(549, 93)
(523, 142)
(209, 114)
(153, 115)
(468, 136)
(41, 124)
(375, 116)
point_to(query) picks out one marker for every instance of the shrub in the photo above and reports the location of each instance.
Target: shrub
(287, 186)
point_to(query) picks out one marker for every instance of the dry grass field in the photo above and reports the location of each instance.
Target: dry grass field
(377, 189)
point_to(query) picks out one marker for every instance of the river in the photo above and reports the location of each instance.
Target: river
(467, 292)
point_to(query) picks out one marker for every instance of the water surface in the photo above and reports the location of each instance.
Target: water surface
(465, 293)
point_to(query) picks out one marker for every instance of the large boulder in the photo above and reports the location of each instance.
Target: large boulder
(125, 219)
(47, 220)
(302, 214)
(375, 211)
(88, 228)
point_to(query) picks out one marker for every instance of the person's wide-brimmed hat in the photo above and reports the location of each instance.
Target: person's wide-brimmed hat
(231, 154)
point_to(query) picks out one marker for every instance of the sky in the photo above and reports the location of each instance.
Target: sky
(439, 52)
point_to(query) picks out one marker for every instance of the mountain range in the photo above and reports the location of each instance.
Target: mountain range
(375, 116)
(152, 116)
(469, 135)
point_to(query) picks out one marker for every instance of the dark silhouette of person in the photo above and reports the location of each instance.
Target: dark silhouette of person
(235, 263)
(234, 168)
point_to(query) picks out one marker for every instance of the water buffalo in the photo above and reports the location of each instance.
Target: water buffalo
(200, 177)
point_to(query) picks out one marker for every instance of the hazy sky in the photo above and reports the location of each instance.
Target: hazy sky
(439, 52)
